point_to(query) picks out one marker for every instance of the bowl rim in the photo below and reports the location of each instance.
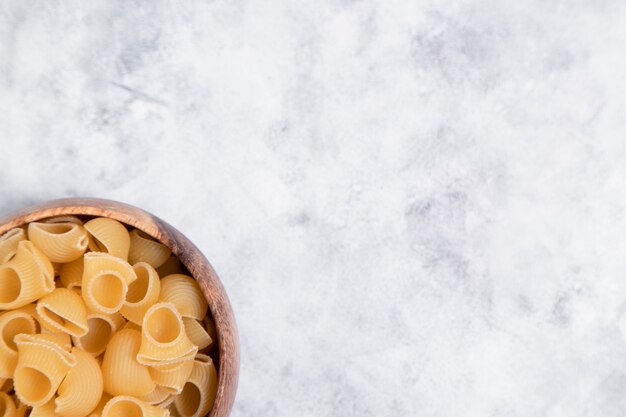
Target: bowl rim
(188, 253)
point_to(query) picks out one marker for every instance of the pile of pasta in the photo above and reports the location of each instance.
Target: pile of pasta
(100, 321)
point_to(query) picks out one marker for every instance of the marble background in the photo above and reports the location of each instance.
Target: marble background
(417, 207)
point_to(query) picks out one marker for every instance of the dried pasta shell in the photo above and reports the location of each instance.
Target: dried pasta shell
(123, 374)
(63, 311)
(82, 388)
(41, 367)
(196, 333)
(25, 278)
(12, 323)
(61, 242)
(198, 395)
(144, 248)
(163, 337)
(142, 293)
(109, 236)
(185, 293)
(105, 282)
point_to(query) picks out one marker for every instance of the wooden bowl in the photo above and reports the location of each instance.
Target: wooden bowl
(189, 255)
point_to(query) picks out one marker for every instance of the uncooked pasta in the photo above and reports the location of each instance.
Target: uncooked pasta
(98, 319)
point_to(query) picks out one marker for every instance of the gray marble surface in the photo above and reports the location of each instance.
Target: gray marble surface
(417, 207)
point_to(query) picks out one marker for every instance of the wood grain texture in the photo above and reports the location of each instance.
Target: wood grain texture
(189, 255)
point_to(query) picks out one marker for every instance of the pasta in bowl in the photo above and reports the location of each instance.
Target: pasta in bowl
(106, 310)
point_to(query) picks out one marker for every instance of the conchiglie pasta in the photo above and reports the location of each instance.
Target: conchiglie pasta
(123, 374)
(109, 236)
(25, 278)
(82, 388)
(144, 248)
(172, 378)
(196, 333)
(198, 395)
(63, 311)
(163, 337)
(101, 328)
(71, 274)
(61, 242)
(185, 293)
(142, 293)
(41, 367)
(12, 323)
(105, 282)
(8, 243)
(127, 406)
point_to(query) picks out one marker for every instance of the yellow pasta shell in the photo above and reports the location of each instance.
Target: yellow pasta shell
(185, 293)
(198, 395)
(61, 242)
(8, 243)
(163, 337)
(63, 311)
(25, 278)
(105, 282)
(82, 388)
(41, 367)
(144, 248)
(142, 293)
(12, 323)
(123, 374)
(196, 333)
(109, 236)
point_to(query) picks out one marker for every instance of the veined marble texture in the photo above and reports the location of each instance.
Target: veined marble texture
(418, 208)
